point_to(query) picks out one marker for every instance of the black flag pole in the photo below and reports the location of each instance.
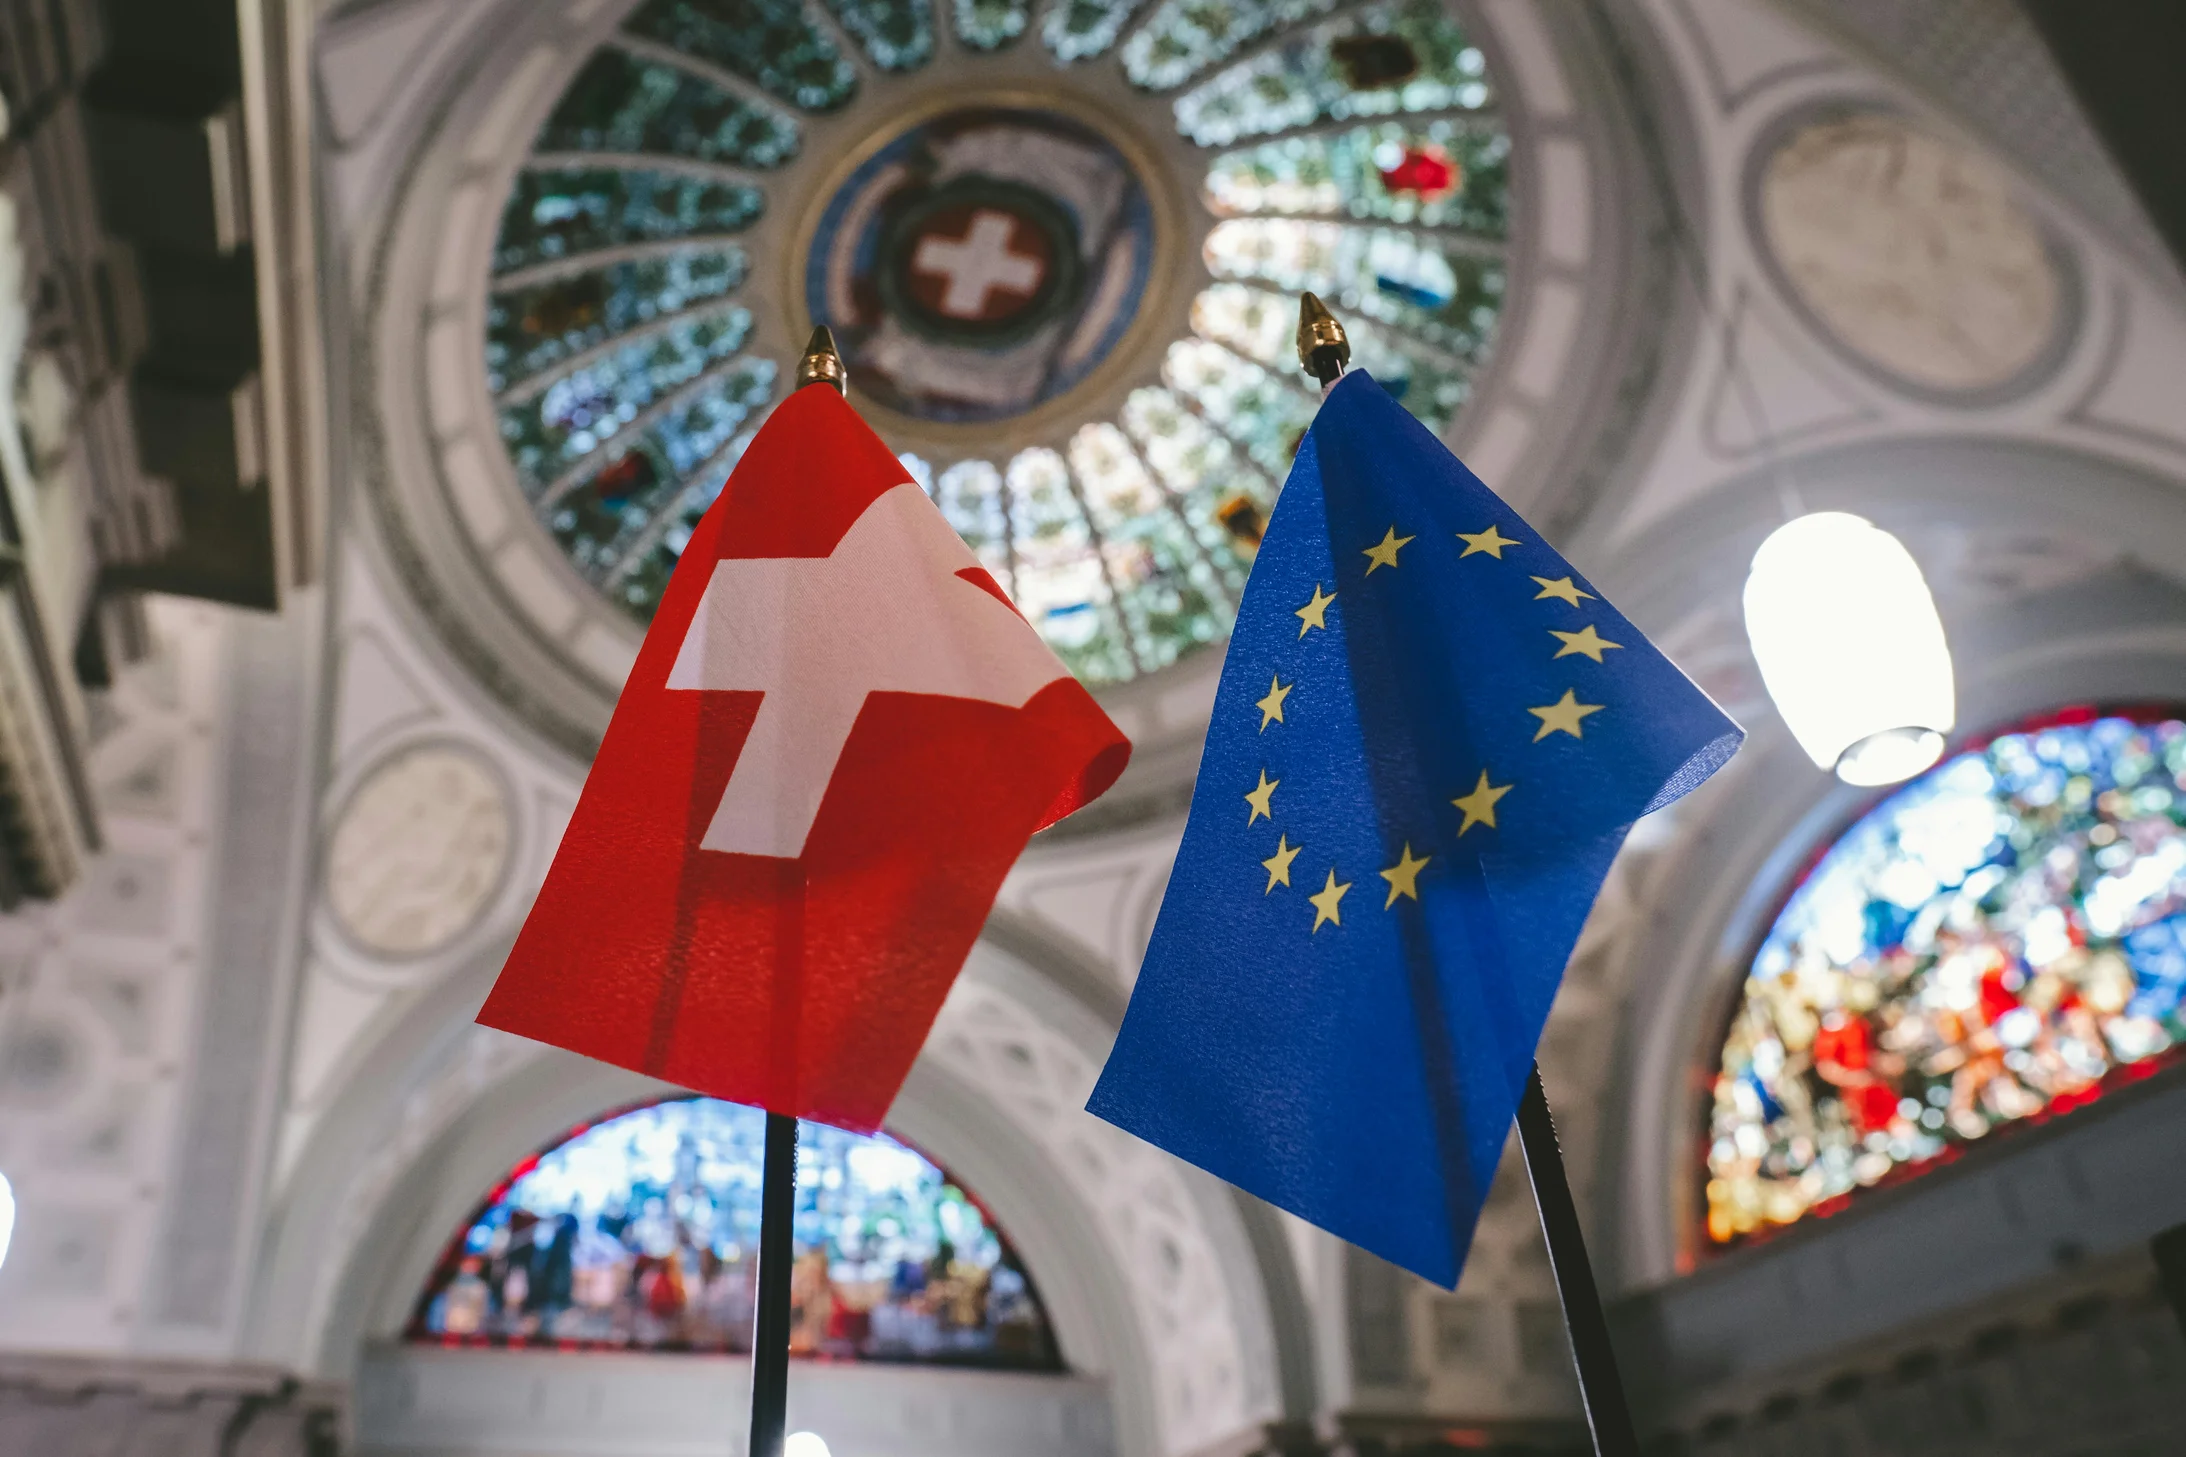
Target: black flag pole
(821, 364)
(1323, 351)
(1608, 1413)
(770, 1323)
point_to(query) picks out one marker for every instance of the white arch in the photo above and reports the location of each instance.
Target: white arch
(1176, 1290)
(2117, 635)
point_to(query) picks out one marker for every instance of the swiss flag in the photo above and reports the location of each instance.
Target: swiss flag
(836, 740)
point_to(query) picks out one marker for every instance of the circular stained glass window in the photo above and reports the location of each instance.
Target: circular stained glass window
(2001, 940)
(1060, 246)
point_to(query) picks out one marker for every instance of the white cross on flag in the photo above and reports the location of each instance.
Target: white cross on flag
(979, 264)
(834, 744)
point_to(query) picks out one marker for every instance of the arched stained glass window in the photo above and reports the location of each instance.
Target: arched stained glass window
(640, 1231)
(993, 256)
(2000, 941)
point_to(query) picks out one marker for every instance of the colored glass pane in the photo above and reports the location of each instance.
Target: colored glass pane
(1261, 412)
(1263, 326)
(1078, 30)
(1411, 56)
(637, 581)
(619, 103)
(699, 428)
(771, 42)
(1374, 172)
(897, 34)
(1127, 547)
(550, 428)
(641, 1232)
(989, 25)
(597, 522)
(2002, 939)
(1184, 37)
(1429, 384)
(1060, 584)
(1171, 595)
(558, 213)
(604, 520)
(1260, 326)
(971, 499)
(536, 327)
(1420, 282)
(1203, 470)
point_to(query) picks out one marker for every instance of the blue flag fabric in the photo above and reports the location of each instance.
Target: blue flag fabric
(1430, 739)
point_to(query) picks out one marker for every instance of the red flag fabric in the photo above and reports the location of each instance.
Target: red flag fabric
(835, 742)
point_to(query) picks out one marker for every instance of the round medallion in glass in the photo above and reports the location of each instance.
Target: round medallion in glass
(1060, 246)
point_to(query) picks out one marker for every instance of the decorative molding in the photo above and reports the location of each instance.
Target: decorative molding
(377, 693)
(60, 1405)
(1883, 238)
(2134, 392)
(251, 944)
(97, 992)
(419, 849)
(417, 1400)
(365, 56)
(1983, 61)
(1040, 1078)
(1746, 49)
(1766, 393)
(1647, 176)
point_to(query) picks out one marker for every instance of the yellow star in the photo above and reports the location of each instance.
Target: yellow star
(1586, 640)
(1278, 864)
(1385, 554)
(1492, 541)
(1315, 613)
(1403, 877)
(1562, 716)
(1260, 799)
(1271, 707)
(1561, 587)
(1479, 806)
(1327, 899)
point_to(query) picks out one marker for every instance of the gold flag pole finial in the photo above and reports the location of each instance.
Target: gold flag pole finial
(822, 363)
(1323, 347)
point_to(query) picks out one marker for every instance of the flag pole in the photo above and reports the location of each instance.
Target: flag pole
(770, 1323)
(1323, 351)
(1608, 1413)
(821, 364)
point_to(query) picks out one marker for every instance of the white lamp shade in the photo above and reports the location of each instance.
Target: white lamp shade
(804, 1444)
(1850, 647)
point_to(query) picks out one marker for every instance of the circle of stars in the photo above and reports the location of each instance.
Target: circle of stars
(1477, 807)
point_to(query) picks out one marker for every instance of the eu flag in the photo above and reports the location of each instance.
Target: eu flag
(1430, 739)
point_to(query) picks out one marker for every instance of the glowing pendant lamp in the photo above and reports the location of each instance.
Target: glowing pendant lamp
(1850, 647)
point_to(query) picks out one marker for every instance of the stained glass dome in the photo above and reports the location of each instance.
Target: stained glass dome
(640, 1231)
(1059, 244)
(2000, 941)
